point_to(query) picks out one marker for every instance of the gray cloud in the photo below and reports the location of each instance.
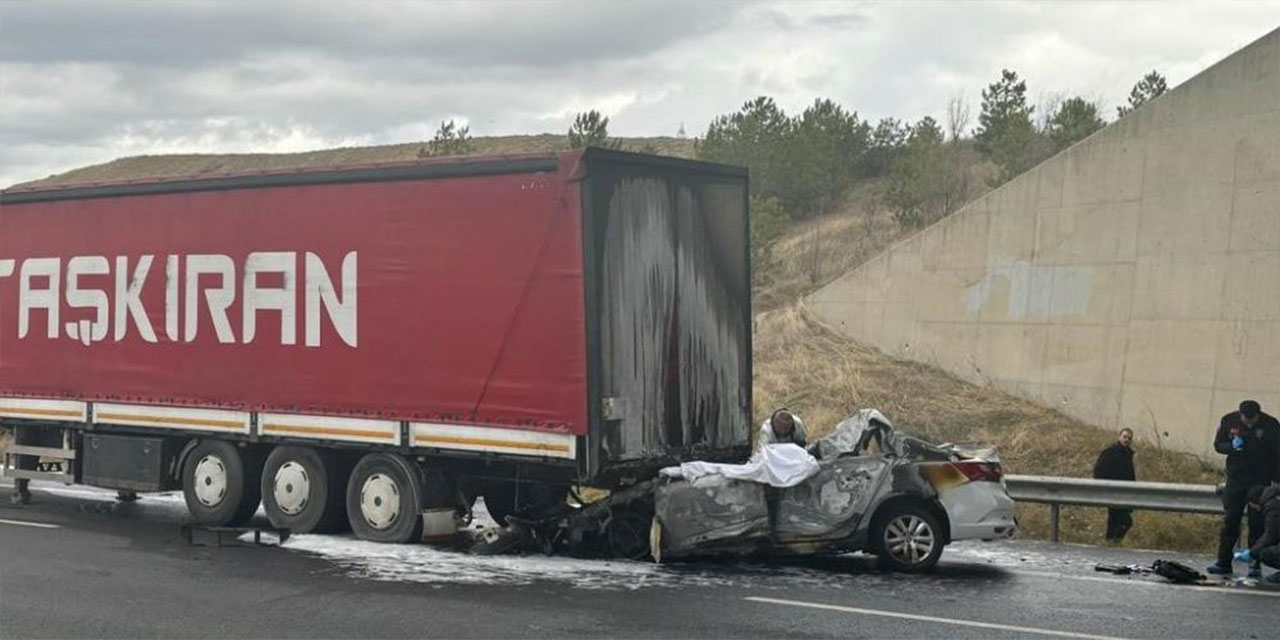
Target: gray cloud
(472, 34)
(88, 82)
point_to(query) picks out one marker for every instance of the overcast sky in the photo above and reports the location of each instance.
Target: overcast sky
(83, 83)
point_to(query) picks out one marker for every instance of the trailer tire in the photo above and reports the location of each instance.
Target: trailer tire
(221, 484)
(384, 499)
(304, 490)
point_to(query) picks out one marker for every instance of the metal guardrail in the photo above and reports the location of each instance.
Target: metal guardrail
(1150, 496)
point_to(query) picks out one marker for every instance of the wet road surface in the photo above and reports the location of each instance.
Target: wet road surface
(77, 564)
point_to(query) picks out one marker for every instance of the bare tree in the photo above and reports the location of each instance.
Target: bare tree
(1048, 105)
(957, 118)
(955, 192)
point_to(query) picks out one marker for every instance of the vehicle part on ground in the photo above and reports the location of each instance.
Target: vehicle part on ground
(907, 537)
(1176, 572)
(384, 499)
(616, 526)
(304, 490)
(509, 538)
(220, 483)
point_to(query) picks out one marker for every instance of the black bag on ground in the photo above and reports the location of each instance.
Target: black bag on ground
(1176, 572)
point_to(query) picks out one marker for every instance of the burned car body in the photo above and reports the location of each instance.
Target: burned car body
(871, 489)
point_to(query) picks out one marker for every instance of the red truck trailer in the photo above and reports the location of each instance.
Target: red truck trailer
(356, 345)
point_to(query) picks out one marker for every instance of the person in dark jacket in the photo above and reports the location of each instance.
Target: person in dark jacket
(1264, 504)
(1251, 441)
(1116, 463)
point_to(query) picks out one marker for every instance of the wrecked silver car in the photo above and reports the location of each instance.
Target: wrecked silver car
(865, 487)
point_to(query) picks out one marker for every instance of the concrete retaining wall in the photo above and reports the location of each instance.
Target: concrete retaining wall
(1133, 279)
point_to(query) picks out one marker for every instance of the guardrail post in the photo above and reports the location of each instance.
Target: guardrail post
(1055, 510)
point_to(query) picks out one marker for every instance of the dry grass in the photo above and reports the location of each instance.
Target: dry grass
(815, 252)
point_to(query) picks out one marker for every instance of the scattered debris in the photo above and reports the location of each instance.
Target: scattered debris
(1122, 569)
(1173, 571)
(1177, 572)
(616, 526)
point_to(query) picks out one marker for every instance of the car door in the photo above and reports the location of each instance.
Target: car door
(833, 504)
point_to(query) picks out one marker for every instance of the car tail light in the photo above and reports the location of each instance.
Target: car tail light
(977, 471)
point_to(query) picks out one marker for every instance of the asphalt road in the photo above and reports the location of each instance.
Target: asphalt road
(76, 564)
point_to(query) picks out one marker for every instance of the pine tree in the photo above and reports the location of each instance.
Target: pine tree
(1006, 134)
(1074, 120)
(591, 129)
(450, 140)
(1148, 88)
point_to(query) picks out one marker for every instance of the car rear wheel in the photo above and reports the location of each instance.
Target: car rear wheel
(907, 538)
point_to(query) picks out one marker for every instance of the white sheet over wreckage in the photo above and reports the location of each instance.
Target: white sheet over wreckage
(778, 465)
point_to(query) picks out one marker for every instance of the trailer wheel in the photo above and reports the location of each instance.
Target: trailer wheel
(220, 484)
(384, 498)
(304, 490)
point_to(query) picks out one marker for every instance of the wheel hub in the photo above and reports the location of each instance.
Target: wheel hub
(211, 481)
(380, 501)
(292, 488)
(909, 539)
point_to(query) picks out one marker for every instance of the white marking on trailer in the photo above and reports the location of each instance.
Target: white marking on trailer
(493, 439)
(324, 427)
(939, 620)
(6, 270)
(172, 417)
(34, 408)
(24, 523)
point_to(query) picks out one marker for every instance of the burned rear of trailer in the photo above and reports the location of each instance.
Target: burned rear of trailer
(668, 298)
